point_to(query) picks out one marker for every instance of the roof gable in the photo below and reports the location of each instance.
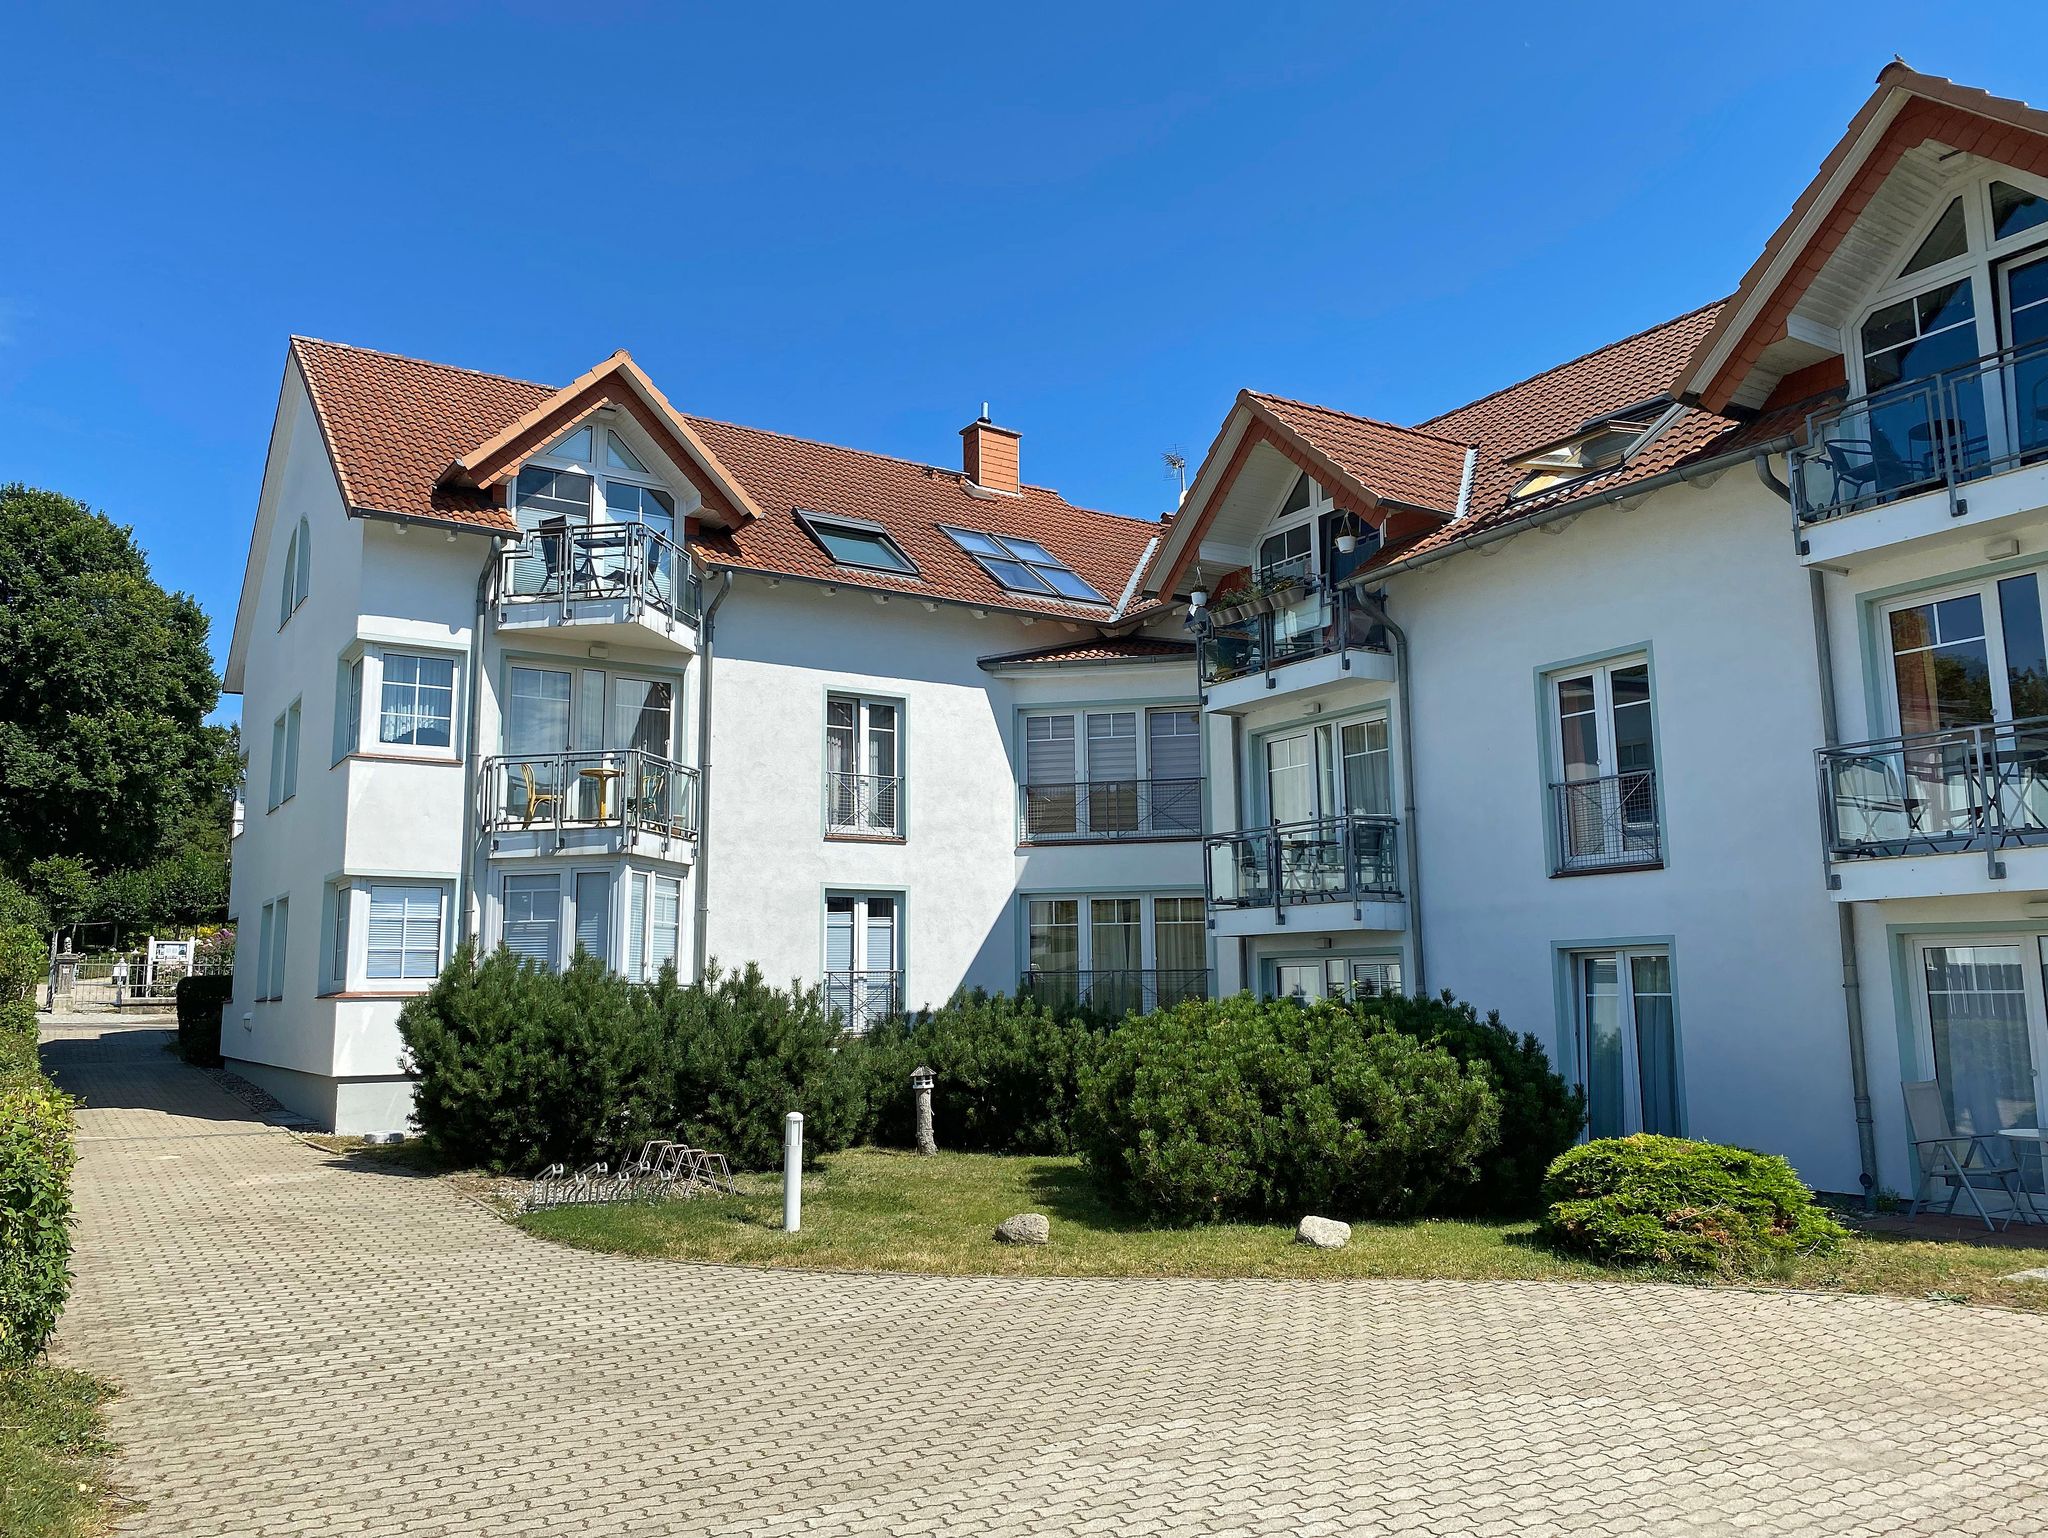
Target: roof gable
(1906, 111)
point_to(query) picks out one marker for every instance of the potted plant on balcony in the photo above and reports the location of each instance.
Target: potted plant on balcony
(1267, 594)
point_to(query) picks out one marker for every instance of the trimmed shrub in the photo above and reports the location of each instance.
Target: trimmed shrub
(201, 1000)
(24, 962)
(17, 1038)
(1672, 1202)
(520, 1067)
(1243, 1108)
(35, 1207)
(18, 905)
(1008, 1070)
(1540, 1114)
(741, 1054)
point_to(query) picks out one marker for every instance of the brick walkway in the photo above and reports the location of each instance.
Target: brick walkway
(308, 1348)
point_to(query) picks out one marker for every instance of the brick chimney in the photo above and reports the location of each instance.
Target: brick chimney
(988, 454)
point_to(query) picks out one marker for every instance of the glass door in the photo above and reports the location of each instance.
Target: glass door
(1628, 1043)
(1983, 1037)
(1606, 752)
(2023, 292)
(1926, 412)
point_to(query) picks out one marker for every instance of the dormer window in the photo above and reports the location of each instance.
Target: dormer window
(578, 499)
(1601, 443)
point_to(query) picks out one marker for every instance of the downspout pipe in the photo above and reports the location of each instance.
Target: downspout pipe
(1845, 912)
(1375, 607)
(707, 636)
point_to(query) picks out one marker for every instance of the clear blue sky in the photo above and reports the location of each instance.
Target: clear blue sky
(857, 223)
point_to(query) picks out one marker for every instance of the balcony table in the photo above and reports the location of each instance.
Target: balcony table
(604, 778)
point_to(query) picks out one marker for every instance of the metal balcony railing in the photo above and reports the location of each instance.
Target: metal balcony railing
(565, 564)
(1109, 809)
(863, 1000)
(1966, 788)
(1319, 620)
(863, 805)
(1608, 823)
(1115, 991)
(1941, 432)
(630, 790)
(1349, 858)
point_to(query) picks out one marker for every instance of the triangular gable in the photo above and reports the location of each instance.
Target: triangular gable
(1908, 109)
(617, 382)
(1401, 481)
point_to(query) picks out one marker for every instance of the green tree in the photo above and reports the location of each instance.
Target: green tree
(105, 685)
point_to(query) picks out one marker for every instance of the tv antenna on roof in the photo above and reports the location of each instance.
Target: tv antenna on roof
(1177, 468)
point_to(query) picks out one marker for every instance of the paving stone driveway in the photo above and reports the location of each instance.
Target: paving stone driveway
(308, 1348)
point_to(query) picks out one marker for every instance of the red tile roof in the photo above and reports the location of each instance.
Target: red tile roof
(1413, 466)
(395, 425)
(1136, 648)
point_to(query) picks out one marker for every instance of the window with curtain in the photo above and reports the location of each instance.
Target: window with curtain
(643, 712)
(863, 783)
(418, 705)
(1628, 1042)
(404, 937)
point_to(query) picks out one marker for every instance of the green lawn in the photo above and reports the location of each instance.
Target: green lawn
(878, 1210)
(52, 1455)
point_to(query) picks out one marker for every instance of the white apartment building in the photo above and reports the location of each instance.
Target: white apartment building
(1686, 703)
(567, 668)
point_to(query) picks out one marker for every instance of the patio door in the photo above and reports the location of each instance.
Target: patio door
(1984, 1034)
(1628, 1041)
(2023, 300)
(1607, 811)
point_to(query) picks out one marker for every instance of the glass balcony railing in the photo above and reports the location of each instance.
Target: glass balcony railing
(1930, 434)
(630, 790)
(1981, 787)
(565, 564)
(1255, 633)
(1089, 810)
(1324, 859)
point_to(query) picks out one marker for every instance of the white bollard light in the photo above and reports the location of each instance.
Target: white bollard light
(793, 1172)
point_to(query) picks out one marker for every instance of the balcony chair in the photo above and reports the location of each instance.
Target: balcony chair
(536, 798)
(1945, 1153)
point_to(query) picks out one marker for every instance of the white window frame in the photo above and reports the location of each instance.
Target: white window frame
(353, 672)
(1624, 956)
(1329, 795)
(641, 959)
(564, 924)
(1609, 856)
(1337, 977)
(1148, 921)
(452, 748)
(298, 573)
(1310, 517)
(276, 944)
(684, 497)
(866, 820)
(1985, 590)
(285, 736)
(403, 980)
(341, 935)
(2032, 944)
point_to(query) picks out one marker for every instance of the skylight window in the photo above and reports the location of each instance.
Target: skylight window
(856, 542)
(1023, 565)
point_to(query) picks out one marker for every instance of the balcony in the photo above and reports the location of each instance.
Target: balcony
(863, 806)
(1258, 877)
(1606, 824)
(621, 582)
(1293, 636)
(863, 1000)
(1090, 811)
(1896, 810)
(589, 803)
(1909, 452)
(1115, 993)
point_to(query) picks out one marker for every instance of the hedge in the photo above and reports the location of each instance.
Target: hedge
(1674, 1203)
(35, 1162)
(1242, 1108)
(201, 1001)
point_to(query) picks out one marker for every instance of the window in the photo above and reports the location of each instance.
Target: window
(1308, 979)
(284, 756)
(856, 542)
(1947, 240)
(1023, 565)
(1287, 553)
(1332, 769)
(863, 976)
(342, 895)
(348, 711)
(533, 919)
(575, 447)
(265, 933)
(643, 711)
(1605, 799)
(418, 706)
(654, 924)
(1117, 952)
(275, 934)
(1983, 1030)
(404, 939)
(297, 580)
(1627, 1030)
(863, 757)
(1112, 773)
(2013, 210)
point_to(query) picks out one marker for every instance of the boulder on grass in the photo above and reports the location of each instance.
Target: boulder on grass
(1323, 1233)
(1025, 1228)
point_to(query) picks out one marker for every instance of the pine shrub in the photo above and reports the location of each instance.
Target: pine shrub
(1682, 1205)
(1272, 1109)
(1008, 1074)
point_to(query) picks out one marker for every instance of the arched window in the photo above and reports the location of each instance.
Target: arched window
(297, 579)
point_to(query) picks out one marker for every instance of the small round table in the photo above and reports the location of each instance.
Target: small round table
(604, 778)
